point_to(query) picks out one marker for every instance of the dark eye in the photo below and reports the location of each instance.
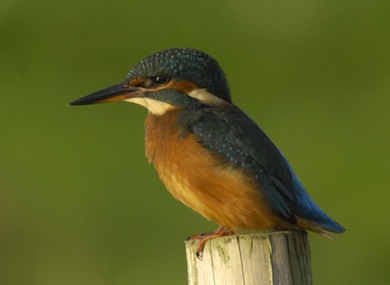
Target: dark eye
(158, 80)
(154, 81)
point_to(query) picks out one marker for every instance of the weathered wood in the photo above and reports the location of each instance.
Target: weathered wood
(251, 259)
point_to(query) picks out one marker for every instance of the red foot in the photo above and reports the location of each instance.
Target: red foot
(221, 231)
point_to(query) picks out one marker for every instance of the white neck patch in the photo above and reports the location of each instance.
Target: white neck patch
(206, 97)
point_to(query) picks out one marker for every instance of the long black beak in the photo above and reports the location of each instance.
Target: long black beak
(116, 92)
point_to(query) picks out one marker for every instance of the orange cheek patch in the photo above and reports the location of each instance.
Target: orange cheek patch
(137, 81)
(182, 85)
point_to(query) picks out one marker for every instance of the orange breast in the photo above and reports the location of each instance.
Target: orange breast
(202, 181)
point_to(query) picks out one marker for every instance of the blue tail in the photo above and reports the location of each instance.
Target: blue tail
(309, 210)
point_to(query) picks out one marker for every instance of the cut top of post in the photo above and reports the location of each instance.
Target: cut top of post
(258, 259)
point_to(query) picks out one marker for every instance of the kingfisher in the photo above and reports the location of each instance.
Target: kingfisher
(211, 155)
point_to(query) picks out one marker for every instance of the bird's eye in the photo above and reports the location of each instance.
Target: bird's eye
(155, 81)
(158, 80)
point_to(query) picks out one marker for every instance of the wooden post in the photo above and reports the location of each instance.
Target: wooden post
(251, 259)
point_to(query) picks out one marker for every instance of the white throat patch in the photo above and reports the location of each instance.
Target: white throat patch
(155, 107)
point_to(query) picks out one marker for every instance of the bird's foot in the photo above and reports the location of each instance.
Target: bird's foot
(221, 231)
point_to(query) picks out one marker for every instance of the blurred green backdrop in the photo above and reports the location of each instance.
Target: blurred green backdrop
(78, 202)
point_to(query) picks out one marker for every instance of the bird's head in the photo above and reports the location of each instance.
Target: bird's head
(169, 79)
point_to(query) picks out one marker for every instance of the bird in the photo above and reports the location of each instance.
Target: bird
(210, 154)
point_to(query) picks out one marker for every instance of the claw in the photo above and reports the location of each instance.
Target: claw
(221, 231)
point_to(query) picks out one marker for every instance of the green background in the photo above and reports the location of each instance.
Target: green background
(78, 202)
